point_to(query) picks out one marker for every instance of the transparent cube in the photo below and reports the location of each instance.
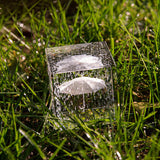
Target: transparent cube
(81, 80)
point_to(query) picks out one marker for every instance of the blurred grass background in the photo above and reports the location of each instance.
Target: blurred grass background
(131, 29)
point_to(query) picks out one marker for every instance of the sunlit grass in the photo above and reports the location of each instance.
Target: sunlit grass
(131, 29)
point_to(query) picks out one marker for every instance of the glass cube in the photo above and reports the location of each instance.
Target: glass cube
(81, 80)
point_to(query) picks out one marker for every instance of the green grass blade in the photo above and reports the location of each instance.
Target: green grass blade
(30, 139)
(58, 149)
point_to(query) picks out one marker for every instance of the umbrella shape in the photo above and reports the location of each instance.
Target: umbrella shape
(82, 85)
(79, 63)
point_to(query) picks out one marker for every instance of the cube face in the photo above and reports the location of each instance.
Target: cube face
(81, 79)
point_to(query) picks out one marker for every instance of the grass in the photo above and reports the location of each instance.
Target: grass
(131, 29)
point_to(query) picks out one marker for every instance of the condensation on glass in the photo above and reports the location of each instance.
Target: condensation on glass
(81, 80)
